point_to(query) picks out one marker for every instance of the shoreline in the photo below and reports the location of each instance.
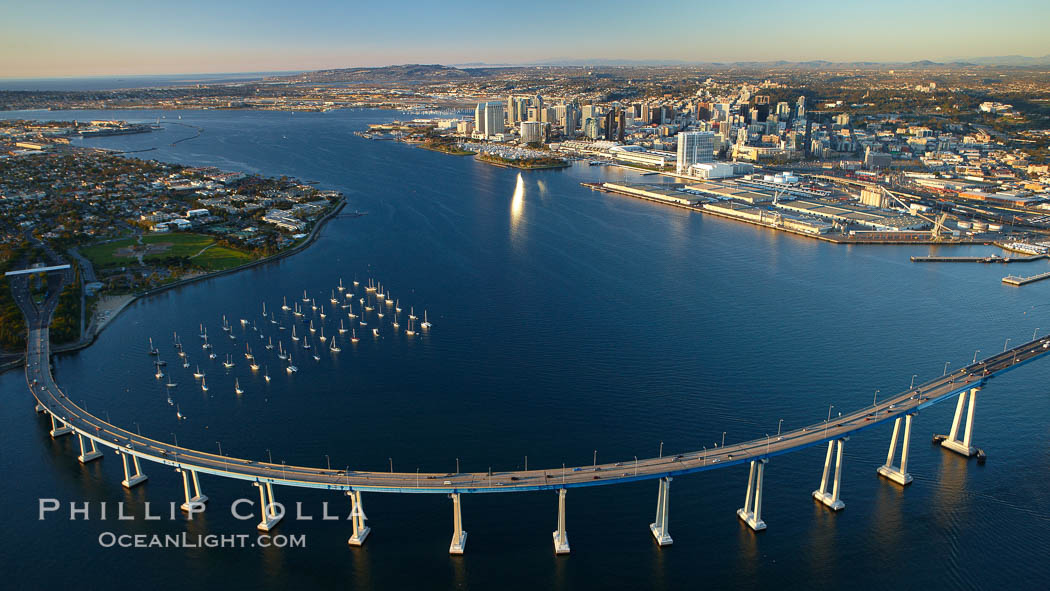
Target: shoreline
(90, 339)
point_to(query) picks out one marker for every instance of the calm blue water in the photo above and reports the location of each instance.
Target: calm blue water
(570, 322)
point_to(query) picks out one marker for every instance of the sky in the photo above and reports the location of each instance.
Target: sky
(55, 38)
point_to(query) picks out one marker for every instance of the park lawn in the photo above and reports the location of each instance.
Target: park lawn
(218, 258)
(183, 246)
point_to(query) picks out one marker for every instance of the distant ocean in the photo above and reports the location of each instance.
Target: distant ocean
(119, 82)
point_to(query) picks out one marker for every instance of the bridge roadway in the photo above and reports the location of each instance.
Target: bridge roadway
(51, 399)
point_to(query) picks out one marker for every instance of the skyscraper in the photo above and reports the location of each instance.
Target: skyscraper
(512, 110)
(694, 147)
(531, 132)
(489, 118)
(801, 107)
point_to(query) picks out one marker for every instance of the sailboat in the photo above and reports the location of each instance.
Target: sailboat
(322, 312)
(159, 373)
(351, 314)
(397, 306)
(237, 386)
(306, 344)
(266, 373)
(291, 368)
(341, 288)
(396, 325)
(170, 401)
(254, 366)
(198, 374)
(333, 347)
(305, 299)
(297, 311)
(280, 351)
(389, 301)
(185, 363)
(312, 329)
(323, 338)
(332, 299)
(206, 344)
(204, 385)
(248, 352)
(178, 412)
(272, 319)
(170, 383)
(370, 288)
(426, 324)
(225, 325)
(356, 283)
(411, 313)
(375, 332)
(269, 345)
(380, 313)
(244, 322)
(264, 309)
(353, 336)
(317, 357)
(284, 304)
(342, 330)
(152, 350)
(204, 332)
(313, 305)
(410, 330)
(228, 363)
(294, 337)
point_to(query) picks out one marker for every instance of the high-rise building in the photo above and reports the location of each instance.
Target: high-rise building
(569, 125)
(531, 132)
(801, 107)
(761, 108)
(695, 147)
(610, 125)
(512, 111)
(783, 111)
(489, 118)
(591, 128)
(620, 125)
(646, 114)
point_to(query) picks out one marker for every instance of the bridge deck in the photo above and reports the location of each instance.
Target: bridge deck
(52, 399)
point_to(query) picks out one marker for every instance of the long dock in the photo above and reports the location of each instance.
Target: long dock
(1019, 281)
(988, 259)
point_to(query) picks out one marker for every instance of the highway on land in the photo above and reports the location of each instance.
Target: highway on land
(51, 398)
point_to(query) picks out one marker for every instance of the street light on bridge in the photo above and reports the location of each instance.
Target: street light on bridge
(913, 376)
(1005, 345)
(779, 424)
(975, 356)
(946, 364)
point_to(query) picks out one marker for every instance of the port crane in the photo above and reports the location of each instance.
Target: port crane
(939, 231)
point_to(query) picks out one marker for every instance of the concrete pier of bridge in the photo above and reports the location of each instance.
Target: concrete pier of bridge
(898, 474)
(131, 480)
(86, 456)
(967, 400)
(270, 516)
(57, 431)
(751, 512)
(561, 539)
(459, 537)
(659, 526)
(832, 499)
(357, 518)
(196, 502)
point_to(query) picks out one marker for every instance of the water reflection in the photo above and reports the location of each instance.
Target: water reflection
(517, 206)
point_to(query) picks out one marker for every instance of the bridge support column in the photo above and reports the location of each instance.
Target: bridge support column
(751, 513)
(86, 456)
(952, 442)
(899, 475)
(129, 479)
(39, 407)
(357, 518)
(459, 537)
(270, 517)
(832, 499)
(659, 526)
(57, 431)
(196, 502)
(561, 539)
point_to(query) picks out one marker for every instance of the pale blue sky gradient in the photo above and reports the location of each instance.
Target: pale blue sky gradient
(42, 38)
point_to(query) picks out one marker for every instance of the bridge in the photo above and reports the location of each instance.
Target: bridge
(95, 434)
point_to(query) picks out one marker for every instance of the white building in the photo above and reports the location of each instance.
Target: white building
(695, 147)
(489, 119)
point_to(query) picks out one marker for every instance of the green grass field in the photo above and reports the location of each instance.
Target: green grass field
(183, 246)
